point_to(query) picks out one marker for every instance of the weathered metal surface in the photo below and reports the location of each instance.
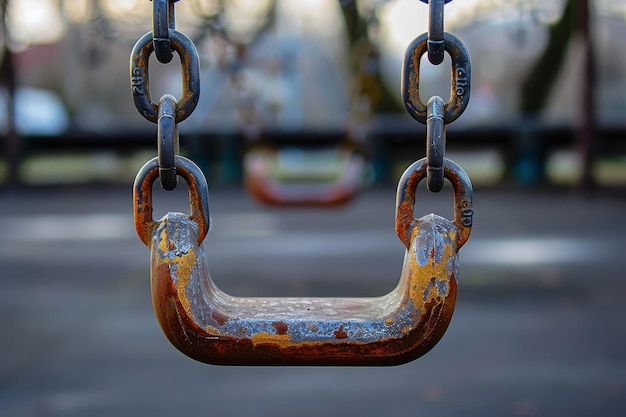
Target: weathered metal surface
(436, 44)
(167, 140)
(435, 143)
(211, 326)
(460, 81)
(162, 21)
(406, 196)
(140, 77)
(145, 225)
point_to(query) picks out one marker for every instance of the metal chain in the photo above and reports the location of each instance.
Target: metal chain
(168, 112)
(164, 39)
(436, 114)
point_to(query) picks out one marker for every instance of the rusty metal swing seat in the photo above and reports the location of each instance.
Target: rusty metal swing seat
(211, 326)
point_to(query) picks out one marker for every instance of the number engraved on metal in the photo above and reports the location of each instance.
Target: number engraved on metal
(138, 83)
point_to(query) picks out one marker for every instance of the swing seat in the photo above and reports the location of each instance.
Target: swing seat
(295, 176)
(211, 326)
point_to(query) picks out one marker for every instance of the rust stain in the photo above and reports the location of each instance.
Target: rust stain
(282, 340)
(340, 333)
(185, 263)
(390, 321)
(403, 222)
(219, 318)
(163, 247)
(453, 237)
(431, 292)
(144, 224)
(313, 327)
(281, 327)
(423, 288)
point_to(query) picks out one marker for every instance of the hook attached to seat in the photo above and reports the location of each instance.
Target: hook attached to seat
(211, 326)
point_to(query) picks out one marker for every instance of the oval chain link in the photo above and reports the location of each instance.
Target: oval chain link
(140, 78)
(460, 82)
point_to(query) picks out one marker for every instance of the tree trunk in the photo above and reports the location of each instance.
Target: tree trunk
(356, 28)
(538, 85)
(8, 78)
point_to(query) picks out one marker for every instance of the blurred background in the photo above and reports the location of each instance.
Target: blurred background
(306, 95)
(547, 100)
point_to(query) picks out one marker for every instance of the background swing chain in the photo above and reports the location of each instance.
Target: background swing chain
(168, 112)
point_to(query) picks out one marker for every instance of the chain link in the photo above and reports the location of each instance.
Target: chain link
(168, 144)
(163, 20)
(435, 143)
(140, 78)
(460, 82)
(168, 112)
(436, 114)
(436, 46)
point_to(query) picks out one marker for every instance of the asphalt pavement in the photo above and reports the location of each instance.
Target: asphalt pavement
(538, 330)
